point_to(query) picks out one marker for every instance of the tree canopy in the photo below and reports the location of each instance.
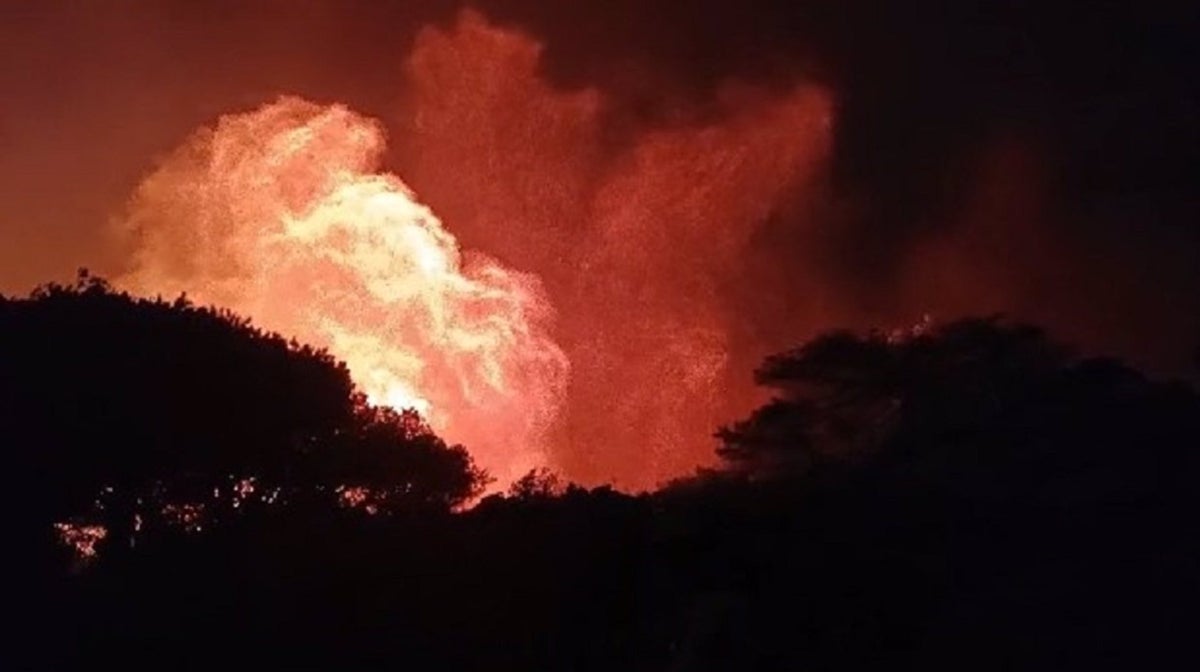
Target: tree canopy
(965, 496)
(124, 410)
(982, 406)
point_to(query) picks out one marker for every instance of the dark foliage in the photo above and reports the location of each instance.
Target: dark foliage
(131, 412)
(980, 408)
(964, 497)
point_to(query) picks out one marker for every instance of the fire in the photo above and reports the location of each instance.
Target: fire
(645, 232)
(81, 539)
(282, 214)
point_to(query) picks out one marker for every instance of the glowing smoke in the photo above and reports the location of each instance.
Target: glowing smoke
(639, 231)
(280, 214)
(972, 182)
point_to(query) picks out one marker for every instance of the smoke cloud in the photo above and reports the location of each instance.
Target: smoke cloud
(693, 185)
(278, 214)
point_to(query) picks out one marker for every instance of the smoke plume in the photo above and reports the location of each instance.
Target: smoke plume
(280, 214)
(685, 187)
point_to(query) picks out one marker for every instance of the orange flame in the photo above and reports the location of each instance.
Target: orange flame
(281, 215)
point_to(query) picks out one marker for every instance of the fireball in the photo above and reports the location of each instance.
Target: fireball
(283, 215)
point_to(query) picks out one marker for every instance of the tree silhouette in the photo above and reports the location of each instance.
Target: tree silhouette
(537, 484)
(971, 496)
(977, 405)
(134, 412)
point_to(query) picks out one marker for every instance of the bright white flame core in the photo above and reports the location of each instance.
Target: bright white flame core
(281, 214)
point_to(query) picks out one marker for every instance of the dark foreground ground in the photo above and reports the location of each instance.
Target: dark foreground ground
(734, 578)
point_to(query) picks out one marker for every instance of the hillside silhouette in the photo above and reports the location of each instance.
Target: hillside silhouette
(971, 495)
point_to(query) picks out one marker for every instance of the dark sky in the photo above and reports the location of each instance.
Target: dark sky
(1037, 158)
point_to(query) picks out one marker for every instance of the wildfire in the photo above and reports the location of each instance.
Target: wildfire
(644, 233)
(281, 214)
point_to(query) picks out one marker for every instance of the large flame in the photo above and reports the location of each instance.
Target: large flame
(644, 232)
(281, 214)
